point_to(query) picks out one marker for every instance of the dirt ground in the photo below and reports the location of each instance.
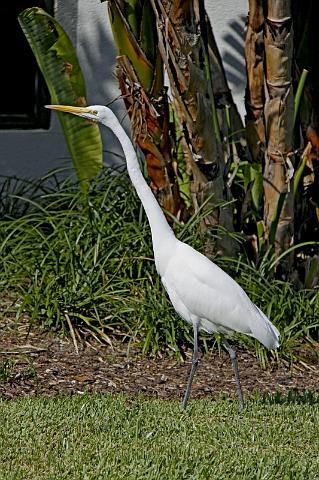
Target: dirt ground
(46, 364)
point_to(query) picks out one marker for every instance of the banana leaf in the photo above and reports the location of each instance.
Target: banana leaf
(128, 45)
(140, 75)
(59, 65)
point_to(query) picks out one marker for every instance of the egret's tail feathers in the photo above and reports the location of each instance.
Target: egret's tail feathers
(266, 332)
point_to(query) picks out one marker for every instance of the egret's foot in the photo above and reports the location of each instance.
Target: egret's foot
(233, 357)
(241, 402)
(195, 362)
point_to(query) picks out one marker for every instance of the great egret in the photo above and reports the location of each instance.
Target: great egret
(203, 294)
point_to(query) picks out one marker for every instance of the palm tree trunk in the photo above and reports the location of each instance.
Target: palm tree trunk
(195, 72)
(140, 76)
(269, 104)
(255, 90)
(278, 112)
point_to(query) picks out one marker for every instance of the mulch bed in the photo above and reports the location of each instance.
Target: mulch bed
(46, 364)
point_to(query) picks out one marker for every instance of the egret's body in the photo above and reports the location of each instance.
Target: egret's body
(203, 294)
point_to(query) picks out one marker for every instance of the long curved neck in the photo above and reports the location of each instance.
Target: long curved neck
(159, 227)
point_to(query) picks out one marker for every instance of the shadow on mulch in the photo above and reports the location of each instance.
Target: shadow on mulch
(47, 364)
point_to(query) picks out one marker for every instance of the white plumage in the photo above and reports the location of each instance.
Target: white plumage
(202, 293)
(200, 290)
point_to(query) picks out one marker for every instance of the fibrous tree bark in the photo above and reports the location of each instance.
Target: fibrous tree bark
(184, 146)
(255, 91)
(140, 75)
(200, 95)
(279, 114)
(270, 104)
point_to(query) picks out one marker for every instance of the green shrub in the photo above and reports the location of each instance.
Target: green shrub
(86, 265)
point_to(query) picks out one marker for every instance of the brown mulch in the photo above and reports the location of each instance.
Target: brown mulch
(46, 364)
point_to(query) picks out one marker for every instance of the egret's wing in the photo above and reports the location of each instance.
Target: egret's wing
(207, 292)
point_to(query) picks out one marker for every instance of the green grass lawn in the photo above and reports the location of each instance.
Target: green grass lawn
(116, 437)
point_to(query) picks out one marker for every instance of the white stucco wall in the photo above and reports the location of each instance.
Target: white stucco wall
(32, 153)
(228, 21)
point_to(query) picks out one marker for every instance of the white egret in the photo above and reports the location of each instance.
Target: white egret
(201, 293)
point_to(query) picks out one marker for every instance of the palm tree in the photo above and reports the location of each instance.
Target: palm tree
(191, 134)
(181, 135)
(270, 104)
(282, 125)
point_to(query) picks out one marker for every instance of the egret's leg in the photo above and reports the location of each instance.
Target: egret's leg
(233, 357)
(195, 360)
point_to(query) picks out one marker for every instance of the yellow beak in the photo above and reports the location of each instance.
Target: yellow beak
(69, 109)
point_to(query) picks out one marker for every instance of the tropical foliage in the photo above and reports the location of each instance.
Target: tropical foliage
(58, 62)
(185, 47)
(255, 181)
(268, 183)
(250, 190)
(85, 265)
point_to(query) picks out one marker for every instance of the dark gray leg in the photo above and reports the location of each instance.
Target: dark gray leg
(195, 360)
(233, 357)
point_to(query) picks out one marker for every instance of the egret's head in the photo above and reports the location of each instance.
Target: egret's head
(94, 113)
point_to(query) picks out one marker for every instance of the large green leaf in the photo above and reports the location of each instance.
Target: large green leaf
(58, 62)
(127, 44)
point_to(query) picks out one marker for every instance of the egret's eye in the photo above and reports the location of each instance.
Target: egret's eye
(94, 112)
